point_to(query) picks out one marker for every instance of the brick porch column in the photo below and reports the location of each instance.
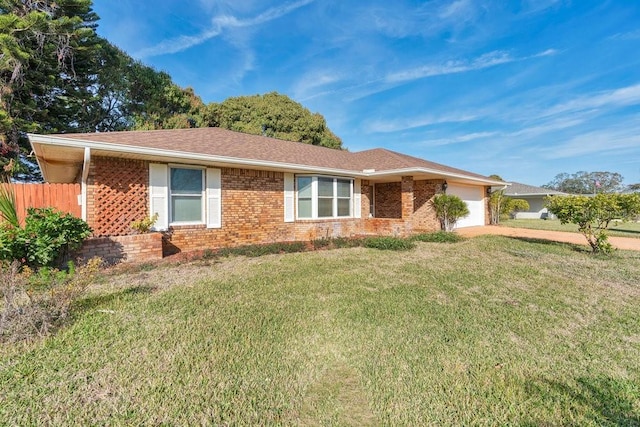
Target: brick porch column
(407, 197)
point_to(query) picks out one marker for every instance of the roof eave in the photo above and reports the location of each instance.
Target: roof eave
(151, 153)
(443, 174)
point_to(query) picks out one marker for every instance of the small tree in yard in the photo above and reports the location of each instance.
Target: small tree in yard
(449, 209)
(592, 215)
(501, 206)
(512, 206)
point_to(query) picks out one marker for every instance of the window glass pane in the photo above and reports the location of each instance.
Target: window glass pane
(325, 208)
(304, 186)
(304, 208)
(344, 188)
(186, 181)
(186, 208)
(325, 187)
(343, 207)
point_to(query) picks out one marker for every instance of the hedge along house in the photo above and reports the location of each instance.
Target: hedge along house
(215, 188)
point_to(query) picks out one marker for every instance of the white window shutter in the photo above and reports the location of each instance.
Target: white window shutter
(214, 198)
(357, 199)
(288, 198)
(159, 194)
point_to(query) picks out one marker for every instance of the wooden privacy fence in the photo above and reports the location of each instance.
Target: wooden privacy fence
(63, 197)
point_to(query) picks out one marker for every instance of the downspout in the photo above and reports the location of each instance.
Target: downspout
(85, 176)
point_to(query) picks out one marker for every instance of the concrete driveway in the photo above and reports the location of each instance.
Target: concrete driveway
(626, 243)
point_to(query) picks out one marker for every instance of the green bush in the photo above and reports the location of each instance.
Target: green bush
(336, 243)
(260, 250)
(438, 237)
(47, 239)
(593, 215)
(389, 243)
(449, 209)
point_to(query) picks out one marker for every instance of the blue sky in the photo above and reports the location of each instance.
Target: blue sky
(526, 89)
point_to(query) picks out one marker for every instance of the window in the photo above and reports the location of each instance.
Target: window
(187, 193)
(324, 197)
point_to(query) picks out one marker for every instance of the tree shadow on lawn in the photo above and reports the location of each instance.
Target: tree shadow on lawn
(606, 401)
(622, 230)
(92, 302)
(574, 247)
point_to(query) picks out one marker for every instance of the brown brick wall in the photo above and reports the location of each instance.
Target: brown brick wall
(388, 200)
(252, 213)
(407, 197)
(134, 248)
(424, 216)
(366, 191)
(116, 195)
(252, 210)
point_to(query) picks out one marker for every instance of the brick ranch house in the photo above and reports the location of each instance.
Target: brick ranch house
(215, 188)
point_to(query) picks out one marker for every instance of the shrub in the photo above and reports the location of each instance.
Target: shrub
(49, 236)
(36, 301)
(438, 237)
(512, 206)
(253, 251)
(389, 243)
(592, 215)
(47, 239)
(449, 209)
(144, 225)
(336, 243)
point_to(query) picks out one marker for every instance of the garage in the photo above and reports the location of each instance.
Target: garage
(473, 196)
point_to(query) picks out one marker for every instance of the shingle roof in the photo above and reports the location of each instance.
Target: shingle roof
(218, 142)
(518, 189)
(383, 159)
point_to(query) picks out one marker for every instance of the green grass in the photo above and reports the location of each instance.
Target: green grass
(622, 229)
(488, 331)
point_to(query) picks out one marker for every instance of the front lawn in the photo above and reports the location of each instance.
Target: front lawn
(621, 229)
(488, 331)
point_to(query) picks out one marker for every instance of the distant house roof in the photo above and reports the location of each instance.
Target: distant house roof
(518, 189)
(223, 147)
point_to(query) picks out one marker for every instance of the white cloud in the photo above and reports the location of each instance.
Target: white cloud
(313, 81)
(620, 97)
(460, 10)
(487, 60)
(459, 139)
(218, 25)
(630, 35)
(621, 139)
(415, 122)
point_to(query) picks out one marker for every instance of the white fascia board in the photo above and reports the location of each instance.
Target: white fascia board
(195, 157)
(531, 194)
(411, 171)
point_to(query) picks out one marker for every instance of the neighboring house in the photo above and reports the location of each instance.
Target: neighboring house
(214, 188)
(535, 196)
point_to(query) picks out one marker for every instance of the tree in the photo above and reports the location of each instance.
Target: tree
(48, 53)
(496, 200)
(512, 206)
(273, 115)
(586, 182)
(634, 188)
(593, 215)
(449, 209)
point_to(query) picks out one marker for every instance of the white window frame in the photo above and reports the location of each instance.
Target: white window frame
(202, 195)
(335, 198)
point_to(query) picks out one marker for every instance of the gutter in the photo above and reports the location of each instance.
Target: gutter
(85, 176)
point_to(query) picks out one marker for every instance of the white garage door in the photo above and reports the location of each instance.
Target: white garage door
(474, 198)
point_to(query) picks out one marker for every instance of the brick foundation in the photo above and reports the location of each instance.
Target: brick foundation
(115, 249)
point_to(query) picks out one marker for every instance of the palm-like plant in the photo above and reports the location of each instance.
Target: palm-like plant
(8, 209)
